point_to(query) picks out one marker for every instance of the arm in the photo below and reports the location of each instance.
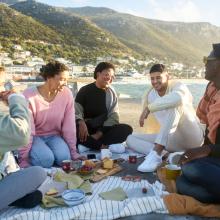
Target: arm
(170, 100)
(79, 111)
(112, 107)
(212, 150)
(69, 127)
(24, 151)
(143, 116)
(14, 127)
(79, 115)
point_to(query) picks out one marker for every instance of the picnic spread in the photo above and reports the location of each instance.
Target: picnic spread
(97, 194)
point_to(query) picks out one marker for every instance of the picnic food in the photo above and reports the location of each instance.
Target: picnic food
(66, 165)
(89, 163)
(132, 159)
(51, 192)
(85, 169)
(101, 171)
(108, 163)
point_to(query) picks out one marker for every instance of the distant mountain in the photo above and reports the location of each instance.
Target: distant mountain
(186, 42)
(86, 36)
(10, 2)
(16, 25)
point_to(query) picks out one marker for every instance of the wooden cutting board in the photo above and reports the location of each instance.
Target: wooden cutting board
(97, 177)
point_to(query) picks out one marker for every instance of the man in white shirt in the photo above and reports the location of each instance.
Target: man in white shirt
(171, 104)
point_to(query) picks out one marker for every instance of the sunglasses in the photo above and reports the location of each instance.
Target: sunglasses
(206, 59)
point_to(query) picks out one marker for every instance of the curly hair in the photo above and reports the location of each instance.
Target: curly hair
(51, 69)
(103, 66)
(157, 68)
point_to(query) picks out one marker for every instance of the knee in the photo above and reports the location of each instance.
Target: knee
(39, 174)
(128, 129)
(193, 170)
(130, 140)
(46, 160)
(62, 157)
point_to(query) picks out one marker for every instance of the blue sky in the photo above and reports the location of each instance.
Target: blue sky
(169, 10)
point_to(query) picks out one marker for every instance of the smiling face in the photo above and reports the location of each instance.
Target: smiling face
(159, 81)
(59, 80)
(105, 78)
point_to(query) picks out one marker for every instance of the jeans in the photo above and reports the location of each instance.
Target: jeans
(47, 150)
(200, 179)
(19, 184)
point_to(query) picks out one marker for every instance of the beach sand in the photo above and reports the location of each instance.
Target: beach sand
(130, 110)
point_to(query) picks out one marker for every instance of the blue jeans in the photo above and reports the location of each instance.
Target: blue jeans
(200, 179)
(47, 150)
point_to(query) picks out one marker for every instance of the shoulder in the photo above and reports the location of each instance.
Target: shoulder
(174, 85)
(87, 87)
(67, 91)
(151, 95)
(30, 92)
(111, 89)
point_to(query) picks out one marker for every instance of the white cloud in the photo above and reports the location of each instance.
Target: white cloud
(182, 10)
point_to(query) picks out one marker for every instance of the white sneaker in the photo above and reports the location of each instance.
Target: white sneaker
(151, 162)
(82, 148)
(117, 148)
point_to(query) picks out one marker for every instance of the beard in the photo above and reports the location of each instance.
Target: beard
(210, 76)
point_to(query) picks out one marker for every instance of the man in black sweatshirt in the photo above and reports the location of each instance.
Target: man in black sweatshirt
(97, 116)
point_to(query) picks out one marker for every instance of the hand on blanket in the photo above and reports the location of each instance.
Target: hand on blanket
(97, 135)
(83, 131)
(195, 153)
(82, 158)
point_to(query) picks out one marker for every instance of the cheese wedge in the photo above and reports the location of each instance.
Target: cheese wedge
(51, 192)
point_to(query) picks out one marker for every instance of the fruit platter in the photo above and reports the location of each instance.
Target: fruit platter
(85, 170)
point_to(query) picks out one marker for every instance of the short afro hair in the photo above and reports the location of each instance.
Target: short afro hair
(103, 66)
(51, 69)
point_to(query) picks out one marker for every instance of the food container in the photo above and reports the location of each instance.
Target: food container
(132, 159)
(73, 197)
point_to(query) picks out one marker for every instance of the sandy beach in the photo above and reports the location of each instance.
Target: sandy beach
(130, 110)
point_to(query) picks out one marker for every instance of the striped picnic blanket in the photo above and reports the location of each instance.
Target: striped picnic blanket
(94, 207)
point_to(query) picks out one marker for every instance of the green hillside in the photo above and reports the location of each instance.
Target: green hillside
(185, 42)
(16, 25)
(91, 40)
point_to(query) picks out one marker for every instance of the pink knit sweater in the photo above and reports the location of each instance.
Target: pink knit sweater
(51, 118)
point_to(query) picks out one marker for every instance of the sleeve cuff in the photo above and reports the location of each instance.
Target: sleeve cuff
(15, 95)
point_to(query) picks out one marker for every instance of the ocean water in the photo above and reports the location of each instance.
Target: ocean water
(134, 89)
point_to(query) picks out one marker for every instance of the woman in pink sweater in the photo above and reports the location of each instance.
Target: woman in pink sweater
(53, 120)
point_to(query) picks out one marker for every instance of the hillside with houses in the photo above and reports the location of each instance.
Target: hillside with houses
(32, 33)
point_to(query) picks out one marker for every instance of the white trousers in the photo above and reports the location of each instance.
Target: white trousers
(179, 131)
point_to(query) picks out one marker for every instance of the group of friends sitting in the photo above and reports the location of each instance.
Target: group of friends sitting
(46, 125)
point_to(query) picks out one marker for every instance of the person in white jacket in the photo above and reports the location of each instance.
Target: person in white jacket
(171, 104)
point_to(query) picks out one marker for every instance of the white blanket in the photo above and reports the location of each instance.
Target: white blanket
(97, 209)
